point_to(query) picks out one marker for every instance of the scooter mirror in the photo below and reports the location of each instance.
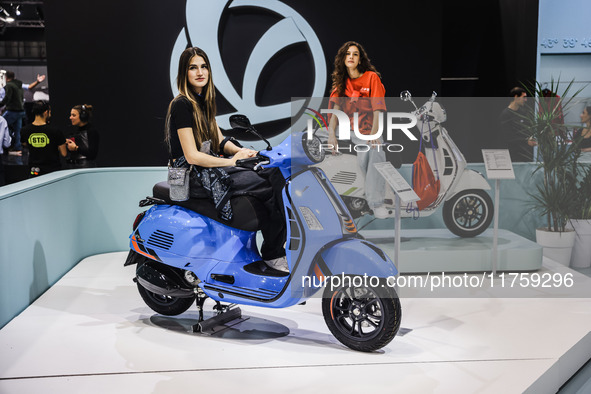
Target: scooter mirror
(405, 95)
(240, 122)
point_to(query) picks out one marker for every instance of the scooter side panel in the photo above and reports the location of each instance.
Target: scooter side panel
(188, 240)
(470, 179)
(344, 174)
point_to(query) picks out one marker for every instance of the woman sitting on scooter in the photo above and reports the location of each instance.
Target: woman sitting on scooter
(357, 87)
(193, 137)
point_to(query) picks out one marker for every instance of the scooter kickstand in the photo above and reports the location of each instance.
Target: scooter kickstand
(217, 323)
(200, 301)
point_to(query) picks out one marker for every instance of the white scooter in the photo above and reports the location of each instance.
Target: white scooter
(467, 208)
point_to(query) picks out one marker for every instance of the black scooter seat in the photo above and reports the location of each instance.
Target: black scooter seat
(248, 212)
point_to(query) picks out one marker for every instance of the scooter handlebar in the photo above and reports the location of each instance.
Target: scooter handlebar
(249, 162)
(254, 163)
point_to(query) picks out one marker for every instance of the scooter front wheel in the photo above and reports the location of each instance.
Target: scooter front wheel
(468, 213)
(356, 206)
(165, 305)
(360, 317)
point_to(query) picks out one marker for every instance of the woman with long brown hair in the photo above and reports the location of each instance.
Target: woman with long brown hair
(357, 88)
(193, 137)
(191, 116)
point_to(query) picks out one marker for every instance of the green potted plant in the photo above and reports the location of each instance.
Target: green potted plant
(580, 218)
(554, 196)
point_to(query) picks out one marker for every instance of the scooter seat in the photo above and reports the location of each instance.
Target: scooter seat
(248, 212)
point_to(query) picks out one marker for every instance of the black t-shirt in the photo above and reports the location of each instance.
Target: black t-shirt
(513, 135)
(87, 138)
(585, 142)
(43, 142)
(181, 116)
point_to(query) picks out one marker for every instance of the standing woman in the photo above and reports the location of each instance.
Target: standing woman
(357, 87)
(83, 144)
(584, 134)
(193, 137)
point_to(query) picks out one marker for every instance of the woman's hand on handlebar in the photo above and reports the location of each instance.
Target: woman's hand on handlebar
(241, 154)
(251, 152)
(244, 153)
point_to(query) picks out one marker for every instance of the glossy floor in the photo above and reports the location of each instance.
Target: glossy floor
(92, 333)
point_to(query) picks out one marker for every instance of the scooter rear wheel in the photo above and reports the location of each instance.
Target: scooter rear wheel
(468, 213)
(360, 317)
(165, 305)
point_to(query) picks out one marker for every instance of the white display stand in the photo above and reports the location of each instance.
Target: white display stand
(403, 192)
(498, 166)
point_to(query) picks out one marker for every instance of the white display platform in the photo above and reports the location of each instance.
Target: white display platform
(439, 250)
(92, 333)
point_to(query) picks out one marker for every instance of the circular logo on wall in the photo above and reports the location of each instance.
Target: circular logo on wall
(205, 19)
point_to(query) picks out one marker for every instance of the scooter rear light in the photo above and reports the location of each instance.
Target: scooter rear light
(138, 219)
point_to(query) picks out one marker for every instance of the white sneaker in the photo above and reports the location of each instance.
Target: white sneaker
(381, 212)
(280, 264)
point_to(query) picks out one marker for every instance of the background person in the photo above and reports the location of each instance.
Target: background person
(193, 137)
(30, 86)
(585, 134)
(4, 143)
(45, 143)
(513, 130)
(83, 143)
(357, 87)
(15, 110)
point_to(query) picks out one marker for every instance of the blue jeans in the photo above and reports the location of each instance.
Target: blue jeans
(15, 122)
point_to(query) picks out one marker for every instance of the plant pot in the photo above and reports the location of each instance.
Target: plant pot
(558, 246)
(581, 255)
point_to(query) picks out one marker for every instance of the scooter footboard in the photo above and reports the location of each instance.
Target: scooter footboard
(357, 257)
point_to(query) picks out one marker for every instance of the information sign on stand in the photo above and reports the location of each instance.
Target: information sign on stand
(403, 192)
(400, 186)
(498, 166)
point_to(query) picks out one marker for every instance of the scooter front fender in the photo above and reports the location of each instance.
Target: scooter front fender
(356, 256)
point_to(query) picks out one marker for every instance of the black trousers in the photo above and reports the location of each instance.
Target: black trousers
(266, 186)
(275, 231)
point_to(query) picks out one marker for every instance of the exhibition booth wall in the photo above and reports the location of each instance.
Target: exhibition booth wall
(265, 53)
(51, 223)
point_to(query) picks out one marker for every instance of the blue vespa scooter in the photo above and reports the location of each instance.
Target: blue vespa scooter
(185, 254)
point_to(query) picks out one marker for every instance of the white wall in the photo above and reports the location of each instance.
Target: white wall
(564, 48)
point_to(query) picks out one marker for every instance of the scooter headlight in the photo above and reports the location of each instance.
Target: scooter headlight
(312, 148)
(310, 218)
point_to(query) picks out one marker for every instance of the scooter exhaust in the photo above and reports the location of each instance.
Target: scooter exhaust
(160, 279)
